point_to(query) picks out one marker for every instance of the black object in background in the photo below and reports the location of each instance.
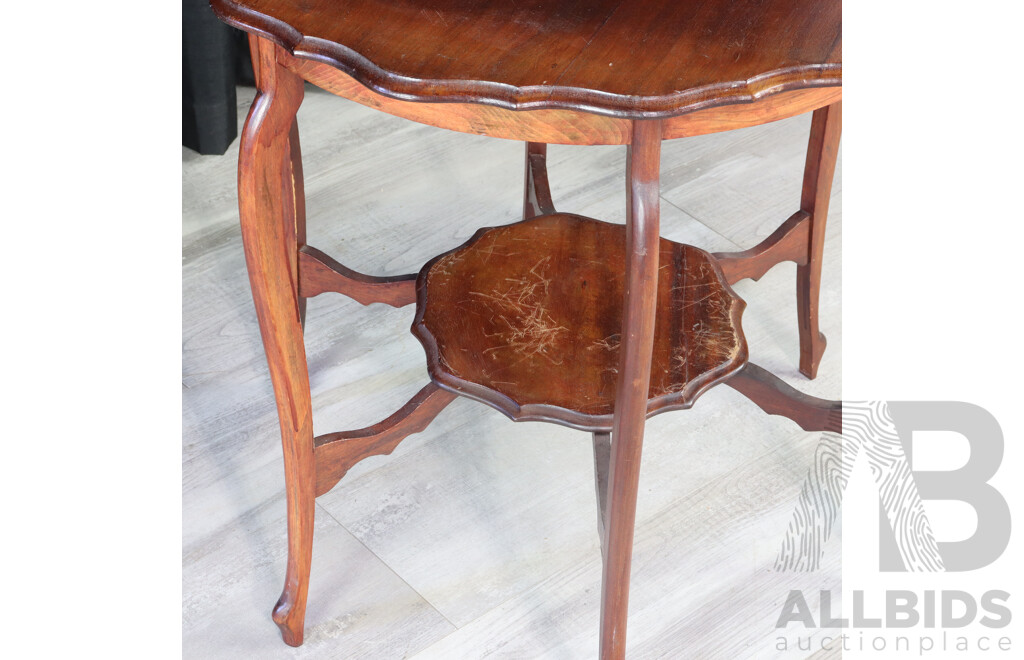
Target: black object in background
(214, 58)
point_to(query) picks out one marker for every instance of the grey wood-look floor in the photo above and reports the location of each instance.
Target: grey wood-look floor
(477, 538)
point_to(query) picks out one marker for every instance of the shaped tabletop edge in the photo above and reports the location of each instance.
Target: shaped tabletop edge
(511, 97)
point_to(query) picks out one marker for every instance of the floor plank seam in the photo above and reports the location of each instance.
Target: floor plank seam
(702, 223)
(720, 479)
(586, 558)
(392, 570)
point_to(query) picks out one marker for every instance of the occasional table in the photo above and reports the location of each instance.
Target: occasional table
(558, 318)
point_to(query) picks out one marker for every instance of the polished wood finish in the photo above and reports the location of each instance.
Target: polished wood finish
(560, 126)
(822, 150)
(787, 243)
(319, 273)
(574, 54)
(775, 397)
(639, 312)
(744, 115)
(336, 453)
(554, 126)
(268, 212)
(537, 196)
(528, 318)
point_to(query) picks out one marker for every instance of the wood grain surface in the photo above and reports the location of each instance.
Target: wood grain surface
(559, 125)
(528, 318)
(336, 453)
(787, 243)
(636, 364)
(775, 397)
(614, 57)
(269, 212)
(320, 273)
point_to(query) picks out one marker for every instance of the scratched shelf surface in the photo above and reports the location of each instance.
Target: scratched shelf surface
(615, 57)
(527, 317)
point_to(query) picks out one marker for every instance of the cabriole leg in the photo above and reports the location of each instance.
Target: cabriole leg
(272, 220)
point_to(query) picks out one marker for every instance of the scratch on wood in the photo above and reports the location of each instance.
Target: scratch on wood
(609, 343)
(530, 330)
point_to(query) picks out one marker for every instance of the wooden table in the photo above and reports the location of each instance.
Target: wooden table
(543, 72)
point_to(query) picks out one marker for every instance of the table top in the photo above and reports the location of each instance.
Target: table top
(615, 57)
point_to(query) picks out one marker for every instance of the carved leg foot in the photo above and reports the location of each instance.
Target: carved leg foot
(290, 611)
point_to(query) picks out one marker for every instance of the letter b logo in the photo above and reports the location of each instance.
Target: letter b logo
(967, 484)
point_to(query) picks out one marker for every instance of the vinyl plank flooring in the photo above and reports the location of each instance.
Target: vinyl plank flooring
(205, 199)
(831, 651)
(232, 578)
(591, 181)
(743, 183)
(702, 585)
(499, 504)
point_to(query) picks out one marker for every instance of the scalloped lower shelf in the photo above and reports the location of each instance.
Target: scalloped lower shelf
(526, 318)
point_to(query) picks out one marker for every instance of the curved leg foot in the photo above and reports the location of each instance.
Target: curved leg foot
(812, 349)
(271, 220)
(290, 612)
(822, 150)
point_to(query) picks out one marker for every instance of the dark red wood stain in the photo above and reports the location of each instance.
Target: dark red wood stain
(616, 57)
(528, 318)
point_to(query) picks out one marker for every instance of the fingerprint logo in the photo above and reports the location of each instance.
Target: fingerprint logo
(868, 428)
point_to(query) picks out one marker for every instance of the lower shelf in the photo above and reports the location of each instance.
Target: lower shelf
(526, 318)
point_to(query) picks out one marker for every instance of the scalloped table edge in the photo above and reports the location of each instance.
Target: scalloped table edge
(512, 97)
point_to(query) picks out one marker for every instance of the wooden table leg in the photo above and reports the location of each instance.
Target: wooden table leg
(822, 149)
(642, 243)
(537, 194)
(298, 212)
(271, 231)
